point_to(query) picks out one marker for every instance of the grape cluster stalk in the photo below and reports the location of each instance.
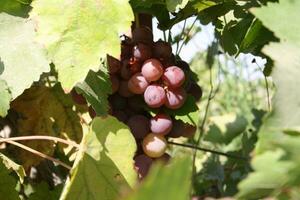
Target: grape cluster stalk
(147, 76)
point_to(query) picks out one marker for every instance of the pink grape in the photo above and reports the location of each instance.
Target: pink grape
(161, 124)
(175, 98)
(154, 145)
(139, 126)
(142, 164)
(142, 52)
(154, 96)
(173, 77)
(152, 69)
(137, 84)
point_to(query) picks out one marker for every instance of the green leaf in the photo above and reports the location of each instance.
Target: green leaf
(104, 163)
(42, 192)
(270, 174)
(78, 33)
(7, 184)
(15, 7)
(5, 98)
(23, 59)
(276, 15)
(171, 182)
(174, 5)
(188, 113)
(11, 165)
(95, 89)
(223, 129)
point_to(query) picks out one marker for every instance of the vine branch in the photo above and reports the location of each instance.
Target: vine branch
(40, 137)
(39, 154)
(208, 150)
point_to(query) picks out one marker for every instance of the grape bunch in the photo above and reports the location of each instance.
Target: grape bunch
(148, 76)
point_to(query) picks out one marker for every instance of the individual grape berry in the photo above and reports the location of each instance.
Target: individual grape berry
(117, 101)
(141, 52)
(161, 124)
(114, 83)
(175, 98)
(173, 77)
(165, 158)
(152, 70)
(142, 164)
(139, 126)
(143, 35)
(182, 129)
(137, 84)
(155, 96)
(114, 64)
(120, 115)
(123, 89)
(136, 103)
(125, 71)
(154, 145)
(135, 66)
(162, 49)
(78, 98)
(92, 112)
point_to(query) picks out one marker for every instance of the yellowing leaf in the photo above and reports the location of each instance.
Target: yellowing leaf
(45, 111)
(104, 164)
(78, 32)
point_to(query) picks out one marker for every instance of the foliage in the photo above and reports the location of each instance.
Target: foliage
(48, 48)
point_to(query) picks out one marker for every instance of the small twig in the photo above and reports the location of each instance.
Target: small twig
(39, 154)
(208, 150)
(40, 137)
(180, 36)
(188, 32)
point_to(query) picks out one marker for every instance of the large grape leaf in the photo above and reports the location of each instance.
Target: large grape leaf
(45, 111)
(11, 165)
(77, 33)
(42, 191)
(166, 182)
(5, 98)
(96, 87)
(104, 164)
(174, 5)
(7, 184)
(23, 59)
(15, 7)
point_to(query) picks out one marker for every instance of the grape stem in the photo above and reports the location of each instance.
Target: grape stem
(39, 154)
(40, 137)
(208, 150)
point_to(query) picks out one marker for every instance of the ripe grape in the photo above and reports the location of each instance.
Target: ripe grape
(142, 164)
(182, 129)
(142, 52)
(164, 158)
(155, 96)
(114, 83)
(142, 34)
(113, 64)
(173, 77)
(135, 66)
(123, 89)
(139, 126)
(175, 98)
(78, 98)
(117, 101)
(120, 115)
(152, 69)
(136, 103)
(162, 49)
(154, 145)
(161, 124)
(137, 84)
(125, 70)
